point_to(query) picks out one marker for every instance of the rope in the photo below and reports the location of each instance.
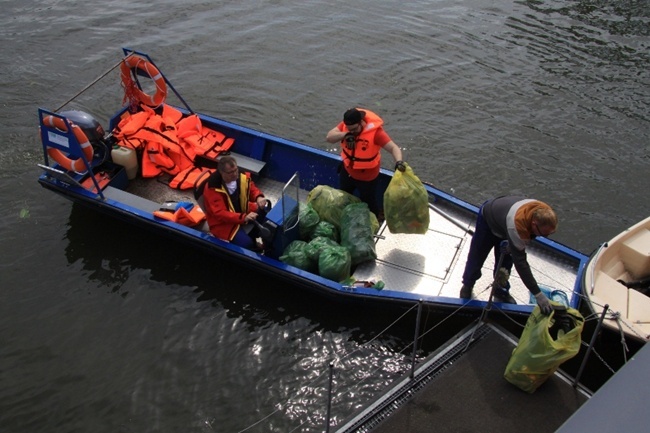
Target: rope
(340, 358)
(130, 89)
(380, 334)
(89, 85)
(615, 315)
(582, 343)
(337, 359)
(593, 316)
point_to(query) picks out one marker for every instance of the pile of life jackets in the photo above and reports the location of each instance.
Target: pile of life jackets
(169, 142)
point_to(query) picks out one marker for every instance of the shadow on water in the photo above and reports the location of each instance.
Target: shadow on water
(111, 251)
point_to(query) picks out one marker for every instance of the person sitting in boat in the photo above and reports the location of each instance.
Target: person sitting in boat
(362, 137)
(232, 203)
(517, 220)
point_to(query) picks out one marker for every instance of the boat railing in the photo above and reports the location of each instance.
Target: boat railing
(593, 269)
(64, 141)
(331, 382)
(336, 364)
(290, 201)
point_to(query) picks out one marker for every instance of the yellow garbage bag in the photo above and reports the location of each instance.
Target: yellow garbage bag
(547, 342)
(406, 203)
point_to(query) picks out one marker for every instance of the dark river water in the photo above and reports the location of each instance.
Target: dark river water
(104, 328)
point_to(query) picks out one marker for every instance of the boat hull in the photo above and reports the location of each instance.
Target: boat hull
(414, 268)
(623, 259)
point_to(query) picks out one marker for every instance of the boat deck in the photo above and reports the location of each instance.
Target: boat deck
(460, 390)
(430, 264)
(433, 264)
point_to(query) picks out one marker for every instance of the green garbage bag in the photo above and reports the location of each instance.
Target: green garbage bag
(406, 204)
(334, 263)
(547, 342)
(356, 233)
(318, 244)
(325, 229)
(329, 203)
(309, 219)
(295, 255)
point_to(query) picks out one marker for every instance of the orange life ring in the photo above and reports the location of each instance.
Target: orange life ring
(136, 62)
(76, 165)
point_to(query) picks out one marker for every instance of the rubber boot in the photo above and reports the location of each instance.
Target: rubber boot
(466, 292)
(501, 294)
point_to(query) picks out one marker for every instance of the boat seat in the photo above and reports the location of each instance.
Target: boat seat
(609, 291)
(639, 310)
(245, 163)
(129, 199)
(142, 204)
(635, 253)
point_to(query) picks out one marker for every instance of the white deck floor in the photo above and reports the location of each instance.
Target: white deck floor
(433, 264)
(430, 264)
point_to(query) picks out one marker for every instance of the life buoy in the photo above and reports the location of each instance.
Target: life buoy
(135, 62)
(76, 165)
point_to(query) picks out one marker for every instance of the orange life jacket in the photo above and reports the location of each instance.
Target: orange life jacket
(130, 124)
(183, 216)
(155, 160)
(169, 142)
(171, 114)
(202, 140)
(366, 154)
(189, 177)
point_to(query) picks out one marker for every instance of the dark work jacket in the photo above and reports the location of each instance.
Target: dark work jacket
(499, 214)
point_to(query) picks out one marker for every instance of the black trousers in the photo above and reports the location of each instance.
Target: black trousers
(367, 189)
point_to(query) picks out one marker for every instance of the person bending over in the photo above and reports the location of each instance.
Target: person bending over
(517, 220)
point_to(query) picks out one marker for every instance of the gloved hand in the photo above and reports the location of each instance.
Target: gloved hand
(544, 304)
(400, 165)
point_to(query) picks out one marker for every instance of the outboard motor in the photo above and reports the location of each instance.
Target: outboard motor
(101, 142)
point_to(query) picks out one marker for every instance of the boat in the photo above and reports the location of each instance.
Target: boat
(616, 283)
(90, 164)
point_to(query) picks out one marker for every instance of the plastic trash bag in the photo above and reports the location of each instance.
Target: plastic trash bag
(318, 244)
(406, 204)
(329, 203)
(334, 263)
(295, 255)
(547, 342)
(356, 233)
(374, 222)
(309, 219)
(325, 229)
(554, 295)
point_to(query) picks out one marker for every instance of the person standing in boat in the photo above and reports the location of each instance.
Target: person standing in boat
(232, 202)
(517, 220)
(362, 137)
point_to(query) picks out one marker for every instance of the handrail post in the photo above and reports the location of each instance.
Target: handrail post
(591, 346)
(329, 399)
(415, 340)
